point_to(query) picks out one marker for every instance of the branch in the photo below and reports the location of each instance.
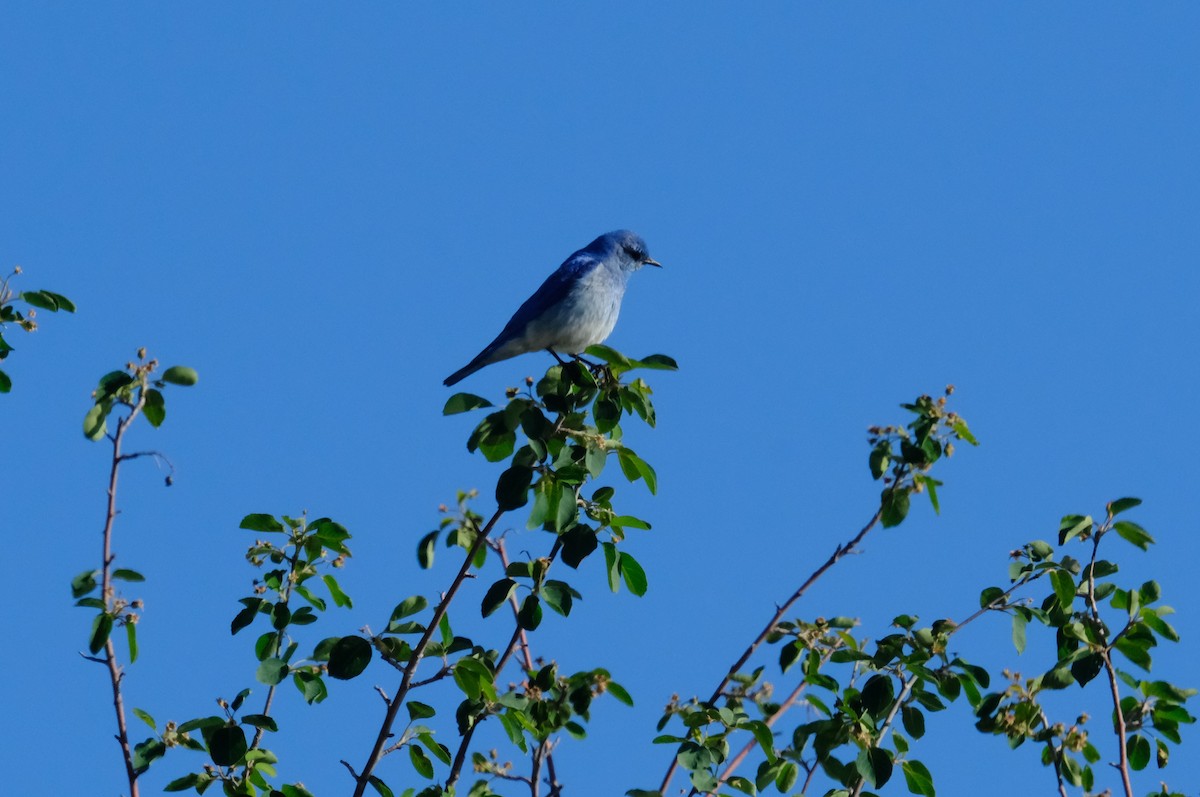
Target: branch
(1110, 671)
(838, 553)
(406, 681)
(115, 673)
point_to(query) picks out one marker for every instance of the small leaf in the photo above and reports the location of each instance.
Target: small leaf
(464, 402)
(875, 766)
(914, 721)
(260, 522)
(419, 711)
(180, 375)
(558, 596)
(154, 408)
(260, 721)
(335, 591)
(530, 615)
(124, 574)
(101, 628)
(1122, 504)
(409, 606)
(146, 718)
(95, 423)
(349, 657)
(1064, 588)
(1139, 752)
(496, 595)
(271, 671)
(227, 745)
(893, 506)
(1133, 533)
(420, 761)
(634, 575)
(131, 638)
(918, 779)
(83, 583)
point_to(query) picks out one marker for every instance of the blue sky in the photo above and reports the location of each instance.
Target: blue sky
(325, 210)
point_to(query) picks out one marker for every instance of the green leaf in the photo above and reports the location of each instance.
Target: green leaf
(617, 361)
(618, 691)
(271, 671)
(893, 506)
(5, 383)
(419, 711)
(464, 402)
(634, 575)
(382, 788)
(914, 721)
(420, 761)
(409, 606)
(260, 721)
(131, 638)
(83, 583)
(227, 745)
(558, 595)
(95, 423)
(125, 574)
(1122, 504)
(657, 362)
(40, 299)
(188, 781)
(786, 778)
(1139, 752)
(874, 764)
(629, 522)
(1087, 668)
(634, 468)
(101, 628)
(425, 549)
(877, 695)
(146, 718)
(530, 615)
(155, 408)
(512, 489)
(918, 779)
(260, 522)
(349, 657)
(335, 591)
(612, 566)
(496, 595)
(1064, 588)
(578, 543)
(880, 459)
(1133, 533)
(180, 375)
(1019, 622)
(1071, 526)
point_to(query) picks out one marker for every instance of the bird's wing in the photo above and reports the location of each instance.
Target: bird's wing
(556, 288)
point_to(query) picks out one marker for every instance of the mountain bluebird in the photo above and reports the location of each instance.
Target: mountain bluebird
(576, 306)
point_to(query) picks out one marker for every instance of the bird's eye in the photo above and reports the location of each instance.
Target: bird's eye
(635, 253)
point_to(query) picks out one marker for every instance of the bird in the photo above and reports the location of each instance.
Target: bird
(575, 307)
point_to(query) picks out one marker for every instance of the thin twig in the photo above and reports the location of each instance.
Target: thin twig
(839, 552)
(418, 651)
(115, 673)
(1110, 670)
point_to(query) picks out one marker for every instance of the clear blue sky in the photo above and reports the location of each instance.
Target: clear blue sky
(326, 209)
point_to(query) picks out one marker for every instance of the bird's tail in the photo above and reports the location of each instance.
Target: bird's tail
(483, 358)
(462, 373)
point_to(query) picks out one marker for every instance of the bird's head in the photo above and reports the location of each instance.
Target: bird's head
(627, 248)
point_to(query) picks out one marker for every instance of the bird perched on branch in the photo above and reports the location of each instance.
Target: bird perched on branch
(576, 306)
